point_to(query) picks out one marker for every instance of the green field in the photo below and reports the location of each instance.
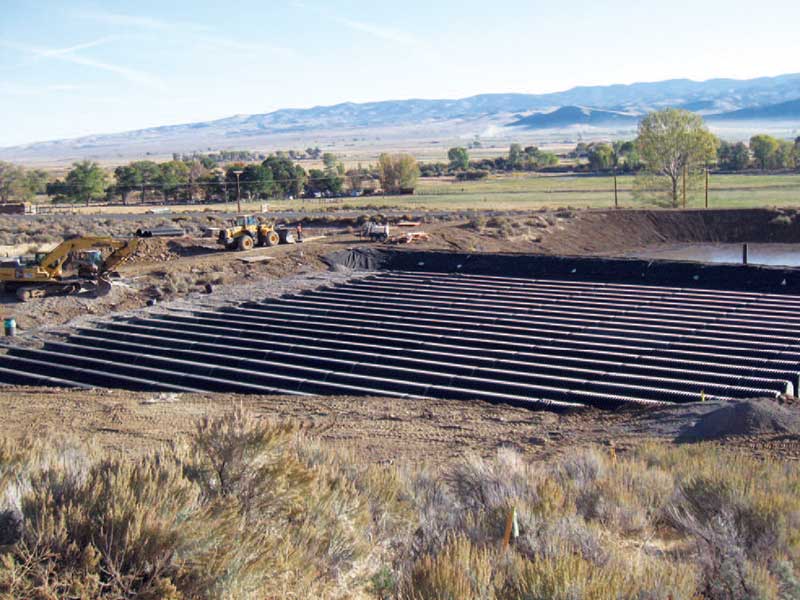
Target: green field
(531, 192)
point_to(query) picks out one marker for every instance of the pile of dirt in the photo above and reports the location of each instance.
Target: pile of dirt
(748, 417)
(154, 250)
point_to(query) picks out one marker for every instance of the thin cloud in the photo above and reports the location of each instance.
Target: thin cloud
(199, 34)
(384, 33)
(76, 47)
(243, 46)
(68, 55)
(123, 20)
(19, 89)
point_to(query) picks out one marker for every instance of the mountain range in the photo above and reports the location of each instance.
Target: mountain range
(598, 109)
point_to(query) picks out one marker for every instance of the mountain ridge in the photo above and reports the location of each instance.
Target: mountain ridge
(616, 104)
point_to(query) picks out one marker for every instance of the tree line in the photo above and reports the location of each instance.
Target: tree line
(530, 158)
(214, 159)
(763, 152)
(188, 178)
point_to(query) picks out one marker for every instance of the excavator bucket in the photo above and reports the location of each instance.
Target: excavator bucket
(103, 287)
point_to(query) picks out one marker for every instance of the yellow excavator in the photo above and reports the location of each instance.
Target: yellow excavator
(43, 274)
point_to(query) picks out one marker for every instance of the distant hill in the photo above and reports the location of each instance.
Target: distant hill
(783, 111)
(568, 116)
(490, 115)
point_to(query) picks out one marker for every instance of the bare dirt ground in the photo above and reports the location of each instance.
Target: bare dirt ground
(379, 429)
(167, 269)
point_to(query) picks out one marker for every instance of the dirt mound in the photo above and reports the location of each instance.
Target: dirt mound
(154, 250)
(749, 417)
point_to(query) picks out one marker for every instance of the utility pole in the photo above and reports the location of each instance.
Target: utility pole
(616, 199)
(238, 192)
(706, 187)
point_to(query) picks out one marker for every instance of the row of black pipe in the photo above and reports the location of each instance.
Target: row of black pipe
(554, 344)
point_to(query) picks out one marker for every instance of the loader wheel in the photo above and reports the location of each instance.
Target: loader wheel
(245, 243)
(273, 239)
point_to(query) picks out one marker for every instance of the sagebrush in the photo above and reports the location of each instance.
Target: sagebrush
(250, 508)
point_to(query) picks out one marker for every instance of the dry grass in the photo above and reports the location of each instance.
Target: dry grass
(254, 509)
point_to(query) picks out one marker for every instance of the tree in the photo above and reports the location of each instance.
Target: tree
(356, 178)
(516, 157)
(86, 181)
(255, 180)
(128, 180)
(332, 164)
(459, 159)
(171, 177)
(733, 157)
(216, 186)
(147, 173)
(397, 172)
(797, 151)
(12, 181)
(764, 149)
(197, 173)
(34, 182)
(671, 143)
(601, 157)
(289, 179)
(327, 183)
(626, 156)
(785, 157)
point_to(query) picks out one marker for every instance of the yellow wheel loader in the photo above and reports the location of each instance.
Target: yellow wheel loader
(247, 231)
(44, 273)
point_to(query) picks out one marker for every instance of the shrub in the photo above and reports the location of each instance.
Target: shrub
(236, 513)
(249, 508)
(120, 529)
(461, 570)
(478, 223)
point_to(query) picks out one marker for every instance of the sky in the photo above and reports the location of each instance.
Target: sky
(74, 68)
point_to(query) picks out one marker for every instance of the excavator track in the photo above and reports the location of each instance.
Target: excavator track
(29, 292)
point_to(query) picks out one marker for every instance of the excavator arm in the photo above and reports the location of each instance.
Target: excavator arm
(45, 277)
(123, 250)
(53, 261)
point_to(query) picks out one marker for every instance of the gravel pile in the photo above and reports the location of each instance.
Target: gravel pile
(749, 417)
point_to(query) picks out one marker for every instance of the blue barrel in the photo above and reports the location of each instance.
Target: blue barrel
(10, 326)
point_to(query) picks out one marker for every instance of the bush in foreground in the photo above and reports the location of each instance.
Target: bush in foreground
(257, 509)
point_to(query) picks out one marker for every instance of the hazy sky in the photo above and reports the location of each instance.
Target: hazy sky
(72, 68)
